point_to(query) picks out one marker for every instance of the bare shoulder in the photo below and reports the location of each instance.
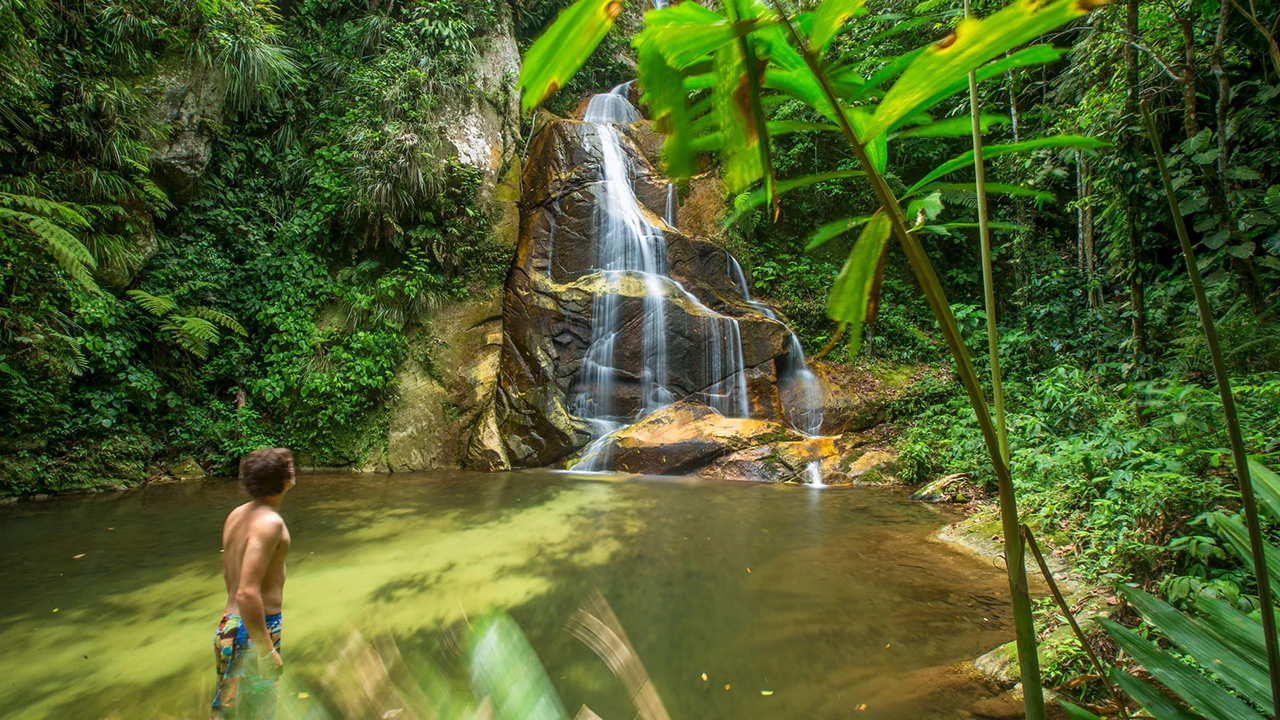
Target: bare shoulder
(266, 523)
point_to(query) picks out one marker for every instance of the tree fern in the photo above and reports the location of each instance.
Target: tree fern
(193, 328)
(35, 215)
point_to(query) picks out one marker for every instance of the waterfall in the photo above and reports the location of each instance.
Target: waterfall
(797, 385)
(631, 249)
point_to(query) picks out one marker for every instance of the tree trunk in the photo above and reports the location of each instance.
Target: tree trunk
(1137, 294)
(1224, 95)
(1189, 123)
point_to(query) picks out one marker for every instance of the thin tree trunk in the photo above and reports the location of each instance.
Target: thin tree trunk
(1189, 123)
(1086, 231)
(1224, 95)
(1137, 290)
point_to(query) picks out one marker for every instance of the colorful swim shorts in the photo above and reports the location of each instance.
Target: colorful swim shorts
(243, 692)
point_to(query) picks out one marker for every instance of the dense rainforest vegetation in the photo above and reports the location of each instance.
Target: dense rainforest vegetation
(148, 315)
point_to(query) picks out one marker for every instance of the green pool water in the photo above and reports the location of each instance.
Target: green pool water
(830, 598)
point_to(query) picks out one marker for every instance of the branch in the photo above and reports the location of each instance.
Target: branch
(1273, 48)
(1150, 53)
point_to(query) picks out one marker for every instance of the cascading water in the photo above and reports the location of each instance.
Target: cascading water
(630, 248)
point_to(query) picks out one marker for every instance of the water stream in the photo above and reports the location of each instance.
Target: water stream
(828, 600)
(630, 245)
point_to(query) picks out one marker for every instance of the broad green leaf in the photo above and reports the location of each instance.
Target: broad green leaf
(994, 189)
(925, 208)
(736, 129)
(833, 229)
(966, 160)
(877, 145)
(853, 295)
(1077, 713)
(759, 197)
(785, 127)
(1034, 55)
(1160, 705)
(560, 51)
(1199, 691)
(1241, 631)
(668, 108)
(1201, 643)
(1231, 529)
(1266, 486)
(686, 33)
(951, 127)
(973, 43)
(827, 21)
(1012, 227)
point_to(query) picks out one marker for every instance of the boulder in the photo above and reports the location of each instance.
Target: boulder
(445, 403)
(786, 461)
(684, 438)
(186, 106)
(185, 468)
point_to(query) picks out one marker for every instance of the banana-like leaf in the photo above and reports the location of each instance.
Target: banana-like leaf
(158, 305)
(966, 160)
(946, 228)
(758, 197)
(1077, 713)
(993, 189)
(951, 127)
(1231, 529)
(554, 58)
(687, 33)
(854, 293)
(1266, 486)
(736, 131)
(1201, 643)
(1199, 691)
(1160, 705)
(1235, 629)
(972, 44)
(786, 127)
(505, 669)
(833, 229)
(1034, 55)
(665, 97)
(827, 21)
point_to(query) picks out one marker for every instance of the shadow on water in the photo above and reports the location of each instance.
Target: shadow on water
(825, 599)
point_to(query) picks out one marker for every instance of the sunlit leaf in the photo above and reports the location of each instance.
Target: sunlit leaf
(928, 207)
(972, 43)
(1159, 704)
(966, 160)
(859, 280)
(1266, 486)
(951, 127)
(554, 58)
(834, 229)
(667, 102)
(505, 669)
(829, 18)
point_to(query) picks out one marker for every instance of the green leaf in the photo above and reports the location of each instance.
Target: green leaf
(505, 669)
(1231, 529)
(951, 127)
(1199, 691)
(1160, 705)
(759, 197)
(1077, 713)
(925, 208)
(554, 58)
(1238, 630)
(995, 189)
(1201, 643)
(966, 160)
(827, 21)
(158, 305)
(973, 43)
(1266, 487)
(1243, 173)
(784, 127)
(833, 229)
(855, 291)
(664, 95)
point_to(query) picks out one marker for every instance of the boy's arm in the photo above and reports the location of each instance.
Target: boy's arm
(264, 537)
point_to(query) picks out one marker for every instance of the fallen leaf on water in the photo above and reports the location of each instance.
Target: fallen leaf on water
(303, 696)
(863, 706)
(726, 687)
(886, 647)
(77, 557)
(704, 677)
(55, 609)
(748, 571)
(766, 693)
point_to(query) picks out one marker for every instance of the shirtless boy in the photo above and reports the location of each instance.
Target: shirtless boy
(254, 544)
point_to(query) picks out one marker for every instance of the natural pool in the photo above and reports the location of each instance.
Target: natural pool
(847, 601)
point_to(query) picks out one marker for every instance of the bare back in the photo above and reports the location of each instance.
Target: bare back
(255, 542)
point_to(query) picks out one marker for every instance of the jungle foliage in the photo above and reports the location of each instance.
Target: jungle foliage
(145, 317)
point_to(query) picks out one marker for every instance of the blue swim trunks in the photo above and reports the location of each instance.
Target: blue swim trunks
(243, 692)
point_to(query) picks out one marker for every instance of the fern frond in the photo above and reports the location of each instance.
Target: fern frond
(44, 207)
(193, 334)
(218, 317)
(158, 305)
(191, 286)
(71, 254)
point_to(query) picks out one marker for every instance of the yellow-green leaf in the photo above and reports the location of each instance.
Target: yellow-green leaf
(852, 295)
(561, 50)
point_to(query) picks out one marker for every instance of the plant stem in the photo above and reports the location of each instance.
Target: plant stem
(988, 281)
(1024, 622)
(1238, 456)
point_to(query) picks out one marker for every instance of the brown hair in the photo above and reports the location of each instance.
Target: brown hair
(265, 471)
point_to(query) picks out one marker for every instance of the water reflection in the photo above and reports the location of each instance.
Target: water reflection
(845, 595)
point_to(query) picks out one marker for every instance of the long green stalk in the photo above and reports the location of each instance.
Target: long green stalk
(1238, 455)
(988, 280)
(1024, 622)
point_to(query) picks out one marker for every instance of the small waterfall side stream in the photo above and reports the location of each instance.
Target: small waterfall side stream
(631, 248)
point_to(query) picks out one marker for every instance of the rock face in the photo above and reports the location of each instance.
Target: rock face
(550, 297)
(187, 105)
